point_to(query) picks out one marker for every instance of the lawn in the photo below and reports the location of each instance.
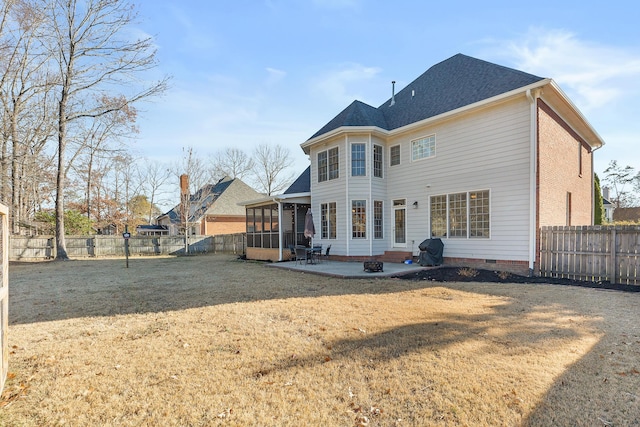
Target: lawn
(211, 340)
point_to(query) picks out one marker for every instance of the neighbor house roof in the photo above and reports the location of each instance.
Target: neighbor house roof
(453, 83)
(221, 198)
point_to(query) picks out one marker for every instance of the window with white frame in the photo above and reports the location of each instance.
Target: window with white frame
(334, 162)
(394, 155)
(359, 219)
(358, 160)
(377, 161)
(322, 166)
(423, 148)
(378, 220)
(328, 220)
(465, 215)
(479, 214)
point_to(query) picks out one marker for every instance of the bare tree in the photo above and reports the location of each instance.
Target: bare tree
(620, 179)
(94, 57)
(231, 162)
(26, 103)
(154, 177)
(270, 168)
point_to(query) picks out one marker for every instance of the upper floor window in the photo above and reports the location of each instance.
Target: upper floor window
(394, 155)
(328, 162)
(358, 160)
(377, 161)
(423, 148)
(334, 161)
(322, 166)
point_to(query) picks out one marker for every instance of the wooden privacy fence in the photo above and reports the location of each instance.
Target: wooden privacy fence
(4, 294)
(43, 247)
(593, 253)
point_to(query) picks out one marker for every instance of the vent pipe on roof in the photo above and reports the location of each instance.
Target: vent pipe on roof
(393, 93)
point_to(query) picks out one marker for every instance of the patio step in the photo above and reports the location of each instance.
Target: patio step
(395, 256)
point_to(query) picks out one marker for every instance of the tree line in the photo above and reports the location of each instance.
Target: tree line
(71, 77)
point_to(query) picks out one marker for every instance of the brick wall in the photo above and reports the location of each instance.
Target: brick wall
(564, 166)
(214, 226)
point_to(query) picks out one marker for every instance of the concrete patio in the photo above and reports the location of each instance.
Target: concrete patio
(348, 269)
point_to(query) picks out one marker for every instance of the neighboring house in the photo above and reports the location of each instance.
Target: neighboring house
(276, 222)
(627, 214)
(474, 153)
(607, 205)
(213, 209)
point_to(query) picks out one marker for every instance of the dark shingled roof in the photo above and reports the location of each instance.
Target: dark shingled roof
(302, 184)
(201, 200)
(453, 83)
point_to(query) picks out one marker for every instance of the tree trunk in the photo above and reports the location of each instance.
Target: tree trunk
(61, 245)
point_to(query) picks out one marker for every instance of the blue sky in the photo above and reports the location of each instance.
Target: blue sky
(248, 72)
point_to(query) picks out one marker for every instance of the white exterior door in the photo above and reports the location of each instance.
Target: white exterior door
(399, 223)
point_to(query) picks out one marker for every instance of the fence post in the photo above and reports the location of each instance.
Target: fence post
(613, 274)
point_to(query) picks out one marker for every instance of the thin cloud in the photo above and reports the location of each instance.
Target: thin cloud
(595, 74)
(274, 76)
(342, 85)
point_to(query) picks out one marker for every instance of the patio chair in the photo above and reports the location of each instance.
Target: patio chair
(292, 251)
(326, 254)
(301, 254)
(316, 253)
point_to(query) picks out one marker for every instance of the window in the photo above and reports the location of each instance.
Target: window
(359, 219)
(458, 215)
(333, 163)
(568, 209)
(394, 155)
(464, 215)
(479, 214)
(328, 164)
(377, 161)
(579, 158)
(438, 216)
(358, 160)
(328, 220)
(322, 166)
(423, 148)
(263, 227)
(377, 220)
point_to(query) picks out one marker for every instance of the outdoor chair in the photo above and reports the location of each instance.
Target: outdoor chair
(316, 253)
(292, 251)
(326, 254)
(301, 254)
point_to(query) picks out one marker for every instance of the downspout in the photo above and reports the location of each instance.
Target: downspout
(533, 181)
(347, 172)
(370, 207)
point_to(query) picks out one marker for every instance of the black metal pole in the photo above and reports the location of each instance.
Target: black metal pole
(126, 244)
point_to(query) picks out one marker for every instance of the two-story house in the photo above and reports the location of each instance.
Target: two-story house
(477, 154)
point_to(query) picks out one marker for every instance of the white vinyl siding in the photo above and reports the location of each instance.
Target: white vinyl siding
(488, 150)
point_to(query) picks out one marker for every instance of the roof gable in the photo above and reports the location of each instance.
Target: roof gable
(302, 184)
(453, 83)
(206, 197)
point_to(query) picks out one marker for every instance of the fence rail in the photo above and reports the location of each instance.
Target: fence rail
(594, 253)
(24, 248)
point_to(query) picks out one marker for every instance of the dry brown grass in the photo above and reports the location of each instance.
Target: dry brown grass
(211, 340)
